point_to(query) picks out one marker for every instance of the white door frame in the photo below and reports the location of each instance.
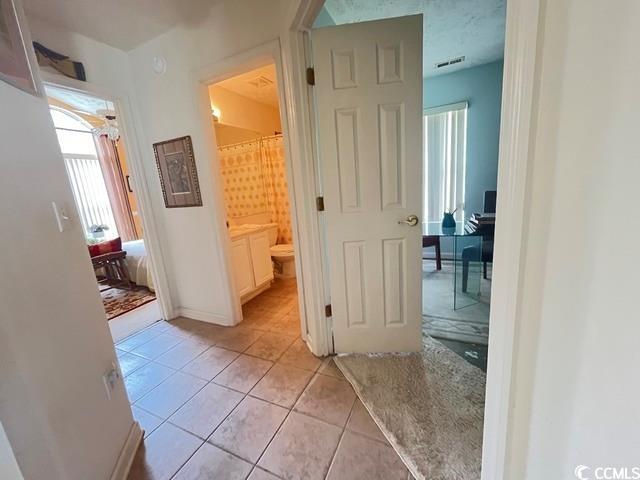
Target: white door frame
(299, 195)
(522, 30)
(126, 122)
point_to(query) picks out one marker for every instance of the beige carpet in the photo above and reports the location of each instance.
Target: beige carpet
(429, 405)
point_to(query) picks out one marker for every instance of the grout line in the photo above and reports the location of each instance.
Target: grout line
(344, 429)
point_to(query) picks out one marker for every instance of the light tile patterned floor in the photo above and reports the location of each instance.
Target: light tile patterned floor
(249, 401)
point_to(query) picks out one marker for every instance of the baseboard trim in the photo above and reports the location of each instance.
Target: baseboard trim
(203, 316)
(128, 453)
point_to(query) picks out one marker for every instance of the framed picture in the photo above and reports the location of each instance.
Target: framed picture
(178, 175)
(17, 63)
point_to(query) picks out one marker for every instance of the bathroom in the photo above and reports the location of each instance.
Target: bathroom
(251, 152)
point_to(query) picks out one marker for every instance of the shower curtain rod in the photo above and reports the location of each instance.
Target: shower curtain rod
(247, 142)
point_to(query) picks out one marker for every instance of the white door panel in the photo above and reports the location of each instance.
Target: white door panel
(369, 113)
(261, 258)
(242, 269)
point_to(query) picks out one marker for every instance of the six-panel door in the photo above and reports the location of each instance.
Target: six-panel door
(368, 98)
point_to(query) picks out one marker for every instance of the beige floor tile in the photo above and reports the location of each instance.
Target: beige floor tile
(161, 454)
(270, 346)
(210, 462)
(360, 458)
(328, 399)
(170, 395)
(260, 474)
(148, 421)
(144, 379)
(157, 346)
(329, 368)
(361, 422)
(302, 448)
(256, 321)
(187, 328)
(285, 326)
(129, 363)
(159, 326)
(249, 428)
(207, 332)
(202, 414)
(183, 353)
(210, 363)
(243, 373)
(299, 355)
(138, 339)
(239, 339)
(282, 385)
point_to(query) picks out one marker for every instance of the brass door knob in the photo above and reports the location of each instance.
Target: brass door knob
(412, 221)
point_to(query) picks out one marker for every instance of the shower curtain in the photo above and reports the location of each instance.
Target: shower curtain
(255, 181)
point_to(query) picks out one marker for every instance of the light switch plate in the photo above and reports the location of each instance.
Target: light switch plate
(62, 219)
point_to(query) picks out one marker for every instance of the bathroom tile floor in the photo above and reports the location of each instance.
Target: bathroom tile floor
(249, 401)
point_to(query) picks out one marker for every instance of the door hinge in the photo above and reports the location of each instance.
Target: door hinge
(320, 204)
(311, 76)
(327, 310)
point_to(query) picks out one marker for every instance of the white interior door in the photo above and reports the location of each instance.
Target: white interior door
(368, 95)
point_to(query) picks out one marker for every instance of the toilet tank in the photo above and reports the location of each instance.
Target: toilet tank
(272, 230)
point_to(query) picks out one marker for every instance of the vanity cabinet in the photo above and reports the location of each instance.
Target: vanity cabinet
(251, 261)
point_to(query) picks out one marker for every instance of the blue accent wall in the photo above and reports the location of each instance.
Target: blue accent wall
(323, 19)
(482, 88)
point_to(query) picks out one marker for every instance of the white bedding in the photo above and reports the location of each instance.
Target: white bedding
(138, 263)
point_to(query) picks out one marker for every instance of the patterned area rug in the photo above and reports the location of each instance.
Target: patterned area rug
(118, 301)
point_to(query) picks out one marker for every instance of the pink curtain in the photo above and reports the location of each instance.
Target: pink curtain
(116, 189)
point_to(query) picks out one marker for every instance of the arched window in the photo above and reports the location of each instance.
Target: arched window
(83, 167)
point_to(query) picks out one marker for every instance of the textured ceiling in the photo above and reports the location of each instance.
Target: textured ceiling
(473, 28)
(259, 85)
(123, 24)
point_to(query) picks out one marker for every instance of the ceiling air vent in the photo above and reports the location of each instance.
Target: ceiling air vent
(449, 62)
(261, 82)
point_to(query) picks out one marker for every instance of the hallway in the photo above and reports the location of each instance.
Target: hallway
(247, 402)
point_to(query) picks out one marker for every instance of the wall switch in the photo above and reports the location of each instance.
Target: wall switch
(109, 379)
(62, 219)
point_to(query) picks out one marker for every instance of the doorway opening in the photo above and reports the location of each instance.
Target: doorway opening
(365, 93)
(245, 116)
(96, 161)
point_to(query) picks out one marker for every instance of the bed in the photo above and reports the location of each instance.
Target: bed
(138, 263)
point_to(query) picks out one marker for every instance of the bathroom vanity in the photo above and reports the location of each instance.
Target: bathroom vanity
(251, 258)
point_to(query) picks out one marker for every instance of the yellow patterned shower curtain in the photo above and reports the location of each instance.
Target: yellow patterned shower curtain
(255, 181)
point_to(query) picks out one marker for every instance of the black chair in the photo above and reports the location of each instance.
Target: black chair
(470, 254)
(433, 241)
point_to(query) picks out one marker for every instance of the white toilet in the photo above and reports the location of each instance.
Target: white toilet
(282, 255)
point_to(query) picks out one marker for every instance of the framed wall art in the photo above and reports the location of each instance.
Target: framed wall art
(17, 62)
(178, 174)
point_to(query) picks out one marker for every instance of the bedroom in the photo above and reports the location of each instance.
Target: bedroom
(96, 163)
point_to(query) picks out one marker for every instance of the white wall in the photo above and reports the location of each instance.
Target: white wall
(168, 108)
(9, 469)
(107, 70)
(577, 352)
(239, 111)
(54, 340)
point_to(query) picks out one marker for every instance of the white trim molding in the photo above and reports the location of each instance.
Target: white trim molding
(446, 108)
(131, 136)
(300, 178)
(203, 316)
(513, 167)
(128, 453)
